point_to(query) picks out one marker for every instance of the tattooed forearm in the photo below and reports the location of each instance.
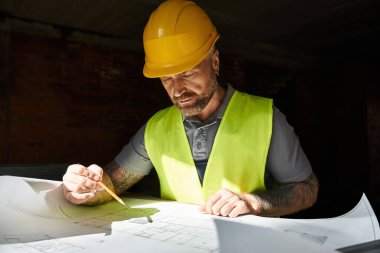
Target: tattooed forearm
(121, 179)
(285, 199)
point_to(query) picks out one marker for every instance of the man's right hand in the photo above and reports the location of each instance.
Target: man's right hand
(80, 183)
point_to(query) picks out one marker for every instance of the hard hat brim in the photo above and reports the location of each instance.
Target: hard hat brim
(152, 70)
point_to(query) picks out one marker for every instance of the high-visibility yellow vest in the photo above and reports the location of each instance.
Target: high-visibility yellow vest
(237, 159)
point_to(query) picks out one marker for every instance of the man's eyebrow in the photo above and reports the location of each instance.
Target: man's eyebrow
(196, 68)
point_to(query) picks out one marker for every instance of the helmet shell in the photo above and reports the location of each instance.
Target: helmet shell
(177, 37)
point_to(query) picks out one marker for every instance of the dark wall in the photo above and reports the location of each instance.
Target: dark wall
(334, 108)
(64, 102)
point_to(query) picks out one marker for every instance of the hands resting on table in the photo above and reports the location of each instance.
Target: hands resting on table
(80, 187)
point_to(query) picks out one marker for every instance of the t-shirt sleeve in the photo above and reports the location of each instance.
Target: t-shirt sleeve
(286, 161)
(134, 157)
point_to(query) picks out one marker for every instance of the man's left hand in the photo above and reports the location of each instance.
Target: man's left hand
(226, 203)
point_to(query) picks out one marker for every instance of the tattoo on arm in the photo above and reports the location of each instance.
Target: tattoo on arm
(121, 179)
(286, 199)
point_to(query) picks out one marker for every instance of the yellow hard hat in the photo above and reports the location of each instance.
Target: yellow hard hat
(177, 37)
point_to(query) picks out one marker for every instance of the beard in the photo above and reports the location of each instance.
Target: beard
(200, 101)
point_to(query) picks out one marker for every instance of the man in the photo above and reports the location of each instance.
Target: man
(228, 151)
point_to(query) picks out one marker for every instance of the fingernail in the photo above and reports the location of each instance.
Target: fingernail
(97, 178)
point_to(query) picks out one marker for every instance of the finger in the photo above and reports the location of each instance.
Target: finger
(226, 197)
(211, 202)
(77, 198)
(78, 169)
(95, 172)
(229, 206)
(72, 187)
(239, 209)
(80, 181)
(82, 176)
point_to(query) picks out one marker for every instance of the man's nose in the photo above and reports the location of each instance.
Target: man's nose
(178, 87)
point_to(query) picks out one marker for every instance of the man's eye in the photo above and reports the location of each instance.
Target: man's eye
(187, 75)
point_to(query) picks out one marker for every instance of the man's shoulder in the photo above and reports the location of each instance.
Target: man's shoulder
(253, 99)
(164, 111)
(252, 96)
(167, 115)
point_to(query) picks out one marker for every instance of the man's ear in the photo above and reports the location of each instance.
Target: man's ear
(215, 62)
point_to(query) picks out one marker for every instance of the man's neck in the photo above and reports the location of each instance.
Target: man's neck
(213, 105)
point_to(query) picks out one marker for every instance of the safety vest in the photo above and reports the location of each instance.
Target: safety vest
(237, 159)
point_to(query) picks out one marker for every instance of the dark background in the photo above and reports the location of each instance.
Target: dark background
(72, 89)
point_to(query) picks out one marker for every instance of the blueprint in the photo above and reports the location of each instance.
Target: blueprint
(35, 217)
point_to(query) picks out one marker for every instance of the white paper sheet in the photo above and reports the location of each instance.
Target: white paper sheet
(244, 238)
(35, 217)
(357, 226)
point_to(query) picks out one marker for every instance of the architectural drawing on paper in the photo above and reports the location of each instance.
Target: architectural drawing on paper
(37, 218)
(189, 232)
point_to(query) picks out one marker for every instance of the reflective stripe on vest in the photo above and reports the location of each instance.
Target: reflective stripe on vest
(238, 156)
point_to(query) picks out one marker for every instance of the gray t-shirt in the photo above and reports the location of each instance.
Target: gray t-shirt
(286, 161)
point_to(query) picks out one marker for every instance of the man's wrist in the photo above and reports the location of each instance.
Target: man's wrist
(252, 201)
(102, 196)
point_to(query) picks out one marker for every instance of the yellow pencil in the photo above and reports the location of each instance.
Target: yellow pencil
(112, 193)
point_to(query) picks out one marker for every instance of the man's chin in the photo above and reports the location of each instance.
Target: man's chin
(189, 111)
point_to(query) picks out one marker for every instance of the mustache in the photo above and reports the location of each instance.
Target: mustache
(185, 95)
